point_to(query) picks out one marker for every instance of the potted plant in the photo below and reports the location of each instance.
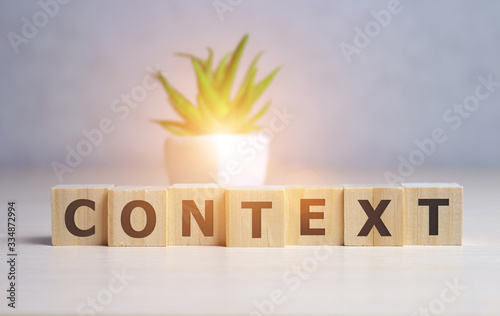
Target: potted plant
(216, 141)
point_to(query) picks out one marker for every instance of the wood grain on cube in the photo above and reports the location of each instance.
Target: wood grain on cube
(137, 216)
(314, 215)
(373, 215)
(79, 214)
(196, 215)
(433, 214)
(255, 216)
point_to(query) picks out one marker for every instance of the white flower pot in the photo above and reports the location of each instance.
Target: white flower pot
(223, 159)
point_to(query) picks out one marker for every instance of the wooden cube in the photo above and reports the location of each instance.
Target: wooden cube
(314, 215)
(80, 214)
(196, 215)
(373, 215)
(137, 216)
(255, 216)
(433, 213)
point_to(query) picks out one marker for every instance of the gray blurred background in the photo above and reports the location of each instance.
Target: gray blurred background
(363, 111)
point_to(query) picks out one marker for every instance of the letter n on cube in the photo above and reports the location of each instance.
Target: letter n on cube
(196, 215)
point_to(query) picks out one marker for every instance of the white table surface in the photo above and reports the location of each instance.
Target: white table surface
(227, 281)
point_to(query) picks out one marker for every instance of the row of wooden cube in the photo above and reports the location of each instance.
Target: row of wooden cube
(264, 216)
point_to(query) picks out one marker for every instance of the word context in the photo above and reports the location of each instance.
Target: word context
(258, 216)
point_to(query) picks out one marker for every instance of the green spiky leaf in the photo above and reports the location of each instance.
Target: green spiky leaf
(175, 127)
(248, 80)
(230, 72)
(253, 93)
(187, 55)
(181, 105)
(215, 112)
(260, 113)
(220, 71)
(207, 91)
(208, 62)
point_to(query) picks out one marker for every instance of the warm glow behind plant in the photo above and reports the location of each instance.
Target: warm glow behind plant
(216, 112)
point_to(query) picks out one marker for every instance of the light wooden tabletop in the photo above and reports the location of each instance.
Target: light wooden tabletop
(409, 280)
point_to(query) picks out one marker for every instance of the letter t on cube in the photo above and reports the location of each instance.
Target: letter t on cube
(255, 216)
(433, 213)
